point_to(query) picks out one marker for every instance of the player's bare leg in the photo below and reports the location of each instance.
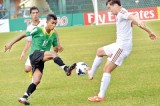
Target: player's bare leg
(53, 56)
(32, 87)
(28, 69)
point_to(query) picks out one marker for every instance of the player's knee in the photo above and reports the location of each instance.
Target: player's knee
(106, 70)
(109, 67)
(36, 82)
(27, 69)
(55, 55)
(52, 55)
(100, 52)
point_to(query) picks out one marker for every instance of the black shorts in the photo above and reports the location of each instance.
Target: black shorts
(36, 60)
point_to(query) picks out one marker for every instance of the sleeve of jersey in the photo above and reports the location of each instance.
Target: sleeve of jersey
(33, 32)
(55, 42)
(28, 30)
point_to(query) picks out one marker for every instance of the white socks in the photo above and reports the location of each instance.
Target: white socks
(26, 94)
(95, 65)
(104, 84)
(63, 66)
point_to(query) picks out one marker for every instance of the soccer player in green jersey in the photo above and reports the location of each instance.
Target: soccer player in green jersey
(34, 14)
(42, 40)
(35, 21)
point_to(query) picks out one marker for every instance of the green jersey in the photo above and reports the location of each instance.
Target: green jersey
(41, 40)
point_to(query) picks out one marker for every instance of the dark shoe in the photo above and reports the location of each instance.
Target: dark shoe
(70, 68)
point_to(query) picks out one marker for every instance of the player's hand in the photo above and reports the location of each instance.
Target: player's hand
(56, 49)
(152, 36)
(60, 48)
(23, 55)
(7, 47)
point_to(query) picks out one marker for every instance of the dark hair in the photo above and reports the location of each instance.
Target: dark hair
(33, 8)
(112, 2)
(51, 16)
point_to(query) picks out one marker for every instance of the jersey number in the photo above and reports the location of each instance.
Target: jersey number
(45, 43)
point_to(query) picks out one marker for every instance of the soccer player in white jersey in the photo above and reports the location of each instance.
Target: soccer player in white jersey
(119, 50)
(34, 13)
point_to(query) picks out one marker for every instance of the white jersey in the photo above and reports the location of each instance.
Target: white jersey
(124, 30)
(31, 27)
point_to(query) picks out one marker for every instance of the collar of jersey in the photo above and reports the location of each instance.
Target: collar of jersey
(45, 32)
(36, 24)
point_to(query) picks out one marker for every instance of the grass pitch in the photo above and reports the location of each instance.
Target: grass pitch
(135, 83)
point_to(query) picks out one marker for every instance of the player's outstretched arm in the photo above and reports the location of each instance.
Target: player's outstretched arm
(26, 48)
(141, 24)
(9, 45)
(60, 48)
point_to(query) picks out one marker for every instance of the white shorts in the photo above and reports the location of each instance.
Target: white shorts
(28, 62)
(115, 53)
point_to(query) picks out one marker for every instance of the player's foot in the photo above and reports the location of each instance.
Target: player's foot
(96, 99)
(30, 74)
(90, 76)
(23, 101)
(70, 68)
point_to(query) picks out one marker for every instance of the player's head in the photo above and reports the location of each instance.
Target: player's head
(113, 6)
(51, 21)
(34, 13)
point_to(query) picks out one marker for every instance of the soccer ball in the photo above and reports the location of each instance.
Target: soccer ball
(81, 68)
